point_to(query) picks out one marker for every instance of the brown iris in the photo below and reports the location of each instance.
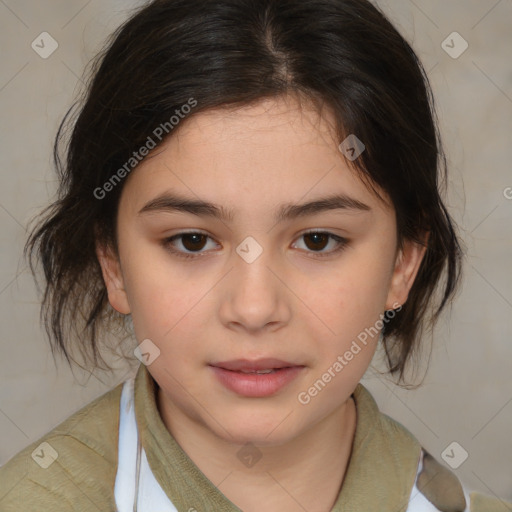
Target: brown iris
(318, 239)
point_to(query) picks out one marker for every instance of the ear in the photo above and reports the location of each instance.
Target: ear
(407, 264)
(113, 277)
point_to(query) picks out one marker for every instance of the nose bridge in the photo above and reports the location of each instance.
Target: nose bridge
(252, 261)
(255, 294)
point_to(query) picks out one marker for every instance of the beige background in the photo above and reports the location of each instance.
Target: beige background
(467, 394)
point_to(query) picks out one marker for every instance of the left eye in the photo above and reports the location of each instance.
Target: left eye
(319, 239)
(194, 242)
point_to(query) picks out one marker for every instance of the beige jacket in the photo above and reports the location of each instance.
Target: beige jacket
(73, 467)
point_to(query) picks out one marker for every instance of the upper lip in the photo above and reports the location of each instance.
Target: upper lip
(254, 365)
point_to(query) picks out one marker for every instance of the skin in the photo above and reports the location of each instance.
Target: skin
(288, 303)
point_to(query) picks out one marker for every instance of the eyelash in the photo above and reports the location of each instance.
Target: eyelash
(167, 244)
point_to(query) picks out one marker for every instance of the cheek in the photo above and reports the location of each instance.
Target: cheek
(350, 305)
(355, 292)
(161, 296)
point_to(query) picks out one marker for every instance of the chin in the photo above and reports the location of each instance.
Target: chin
(272, 431)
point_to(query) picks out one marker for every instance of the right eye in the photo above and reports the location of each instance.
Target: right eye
(192, 241)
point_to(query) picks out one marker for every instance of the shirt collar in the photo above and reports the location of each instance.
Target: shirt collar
(380, 473)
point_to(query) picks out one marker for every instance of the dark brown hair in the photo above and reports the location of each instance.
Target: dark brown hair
(341, 53)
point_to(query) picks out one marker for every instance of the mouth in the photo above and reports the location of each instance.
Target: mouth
(257, 378)
(260, 366)
(259, 372)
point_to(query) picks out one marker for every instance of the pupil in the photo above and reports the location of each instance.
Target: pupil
(195, 239)
(318, 238)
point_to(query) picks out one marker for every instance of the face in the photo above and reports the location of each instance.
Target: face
(263, 277)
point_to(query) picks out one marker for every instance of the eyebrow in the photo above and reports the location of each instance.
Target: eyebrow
(175, 203)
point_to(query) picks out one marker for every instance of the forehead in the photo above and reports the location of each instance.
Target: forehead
(265, 135)
(286, 113)
(275, 150)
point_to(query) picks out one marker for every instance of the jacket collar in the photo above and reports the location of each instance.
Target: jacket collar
(380, 473)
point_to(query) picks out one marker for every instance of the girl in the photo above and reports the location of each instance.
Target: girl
(254, 186)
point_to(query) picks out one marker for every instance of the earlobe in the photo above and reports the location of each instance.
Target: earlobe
(407, 265)
(113, 278)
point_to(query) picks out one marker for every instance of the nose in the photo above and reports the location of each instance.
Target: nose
(254, 295)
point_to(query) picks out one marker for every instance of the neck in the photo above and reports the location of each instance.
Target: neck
(305, 473)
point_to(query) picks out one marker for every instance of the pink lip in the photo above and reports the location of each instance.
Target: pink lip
(252, 384)
(257, 364)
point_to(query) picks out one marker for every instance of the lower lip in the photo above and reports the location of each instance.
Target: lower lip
(256, 385)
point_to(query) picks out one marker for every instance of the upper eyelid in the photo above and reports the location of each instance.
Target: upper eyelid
(198, 232)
